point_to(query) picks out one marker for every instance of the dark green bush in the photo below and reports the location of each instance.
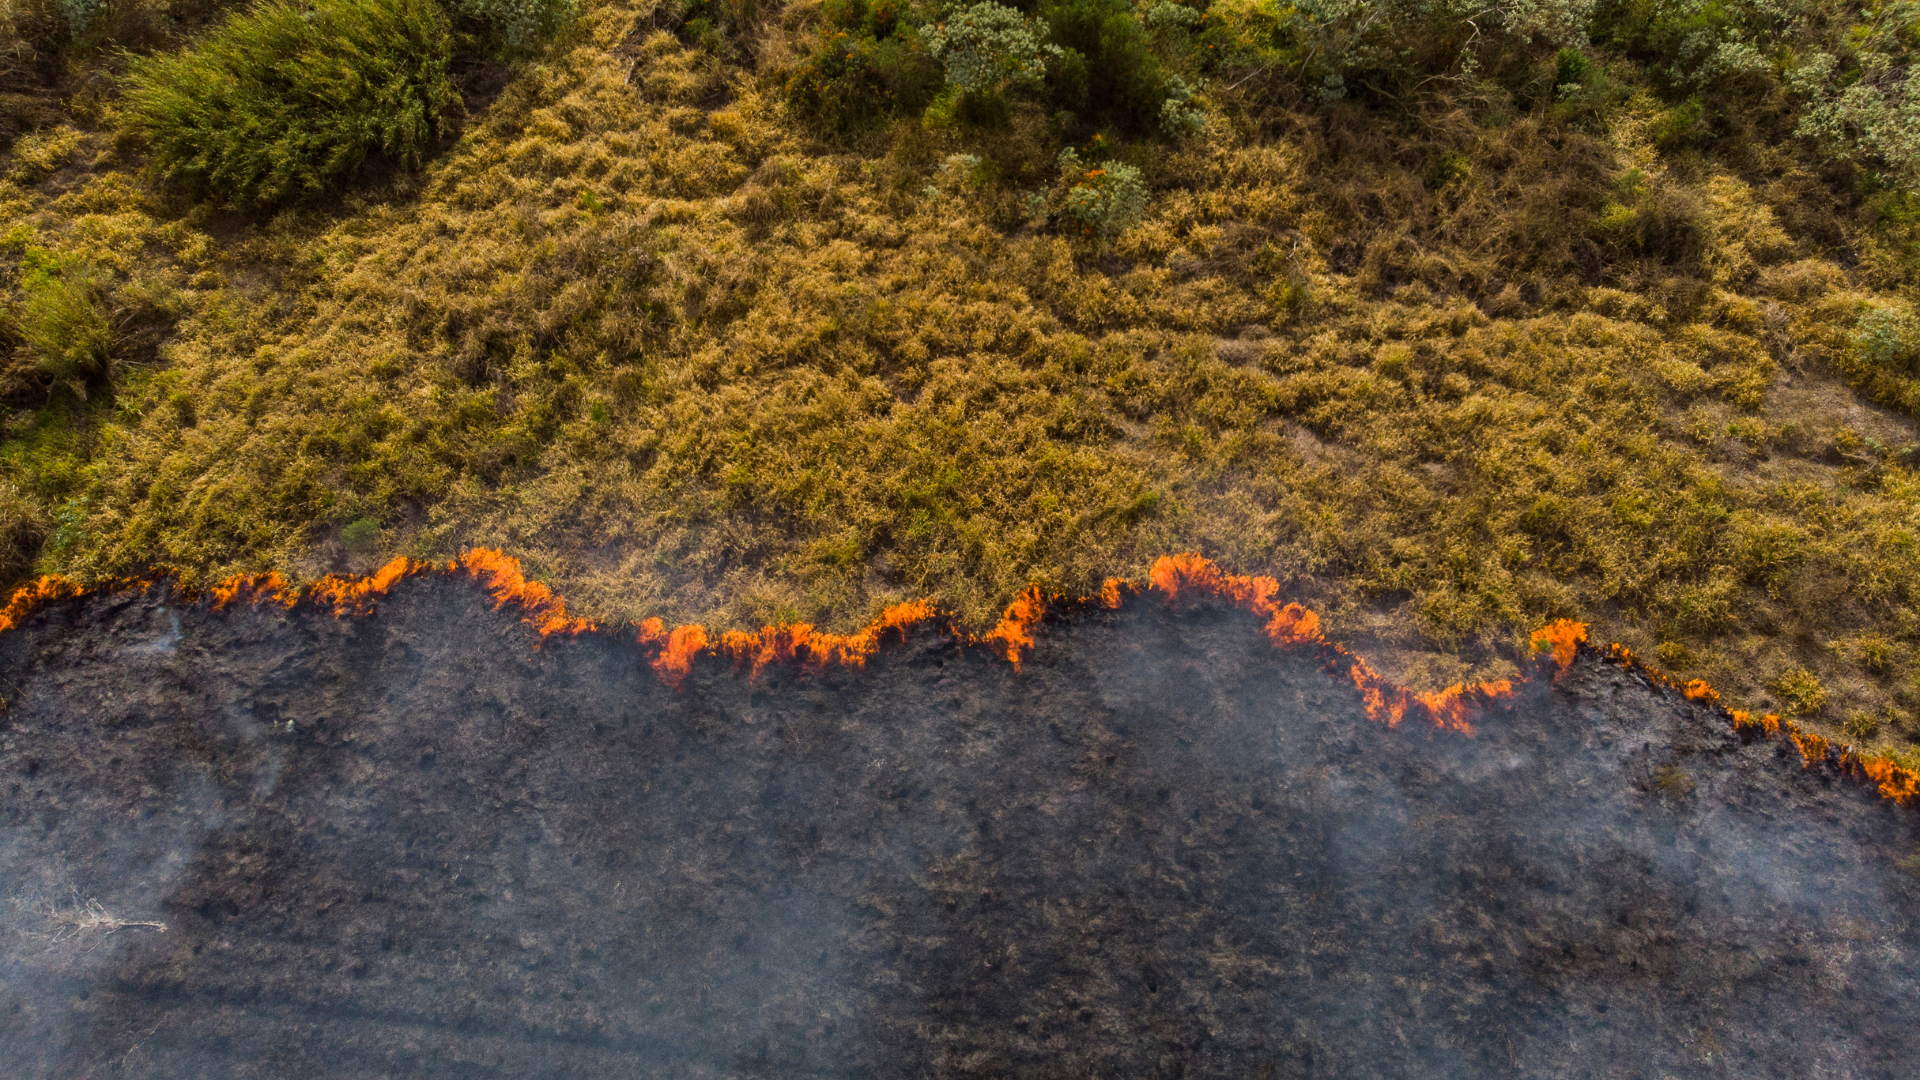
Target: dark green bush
(718, 25)
(1571, 68)
(876, 19)
(854, 79)
(1107, 73)
(283, 101)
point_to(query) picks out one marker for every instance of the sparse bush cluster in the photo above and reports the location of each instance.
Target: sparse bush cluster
(1087, 63)
(868, 65)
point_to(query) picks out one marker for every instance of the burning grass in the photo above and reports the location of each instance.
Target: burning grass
(702, 367)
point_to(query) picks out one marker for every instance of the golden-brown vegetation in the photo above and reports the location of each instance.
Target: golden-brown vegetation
(1448, 372)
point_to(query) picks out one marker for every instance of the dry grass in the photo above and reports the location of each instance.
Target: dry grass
(640, 328)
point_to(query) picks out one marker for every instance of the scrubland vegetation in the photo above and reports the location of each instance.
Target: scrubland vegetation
(1454, 318)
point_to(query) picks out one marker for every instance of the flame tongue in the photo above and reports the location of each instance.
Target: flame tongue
(501, 576)
(1015, 629)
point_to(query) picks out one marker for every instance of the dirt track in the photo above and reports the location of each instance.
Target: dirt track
(412, 844)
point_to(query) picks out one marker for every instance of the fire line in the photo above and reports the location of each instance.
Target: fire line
(1287, 625)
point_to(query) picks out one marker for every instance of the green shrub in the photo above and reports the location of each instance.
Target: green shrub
(283, 101)
(1861, 725)
(61, 321)
(1887, 338)
(361, 536)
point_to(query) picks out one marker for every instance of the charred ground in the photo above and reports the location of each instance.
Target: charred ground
(413, 843)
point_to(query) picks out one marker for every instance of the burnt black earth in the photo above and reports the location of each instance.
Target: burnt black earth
(265, 843)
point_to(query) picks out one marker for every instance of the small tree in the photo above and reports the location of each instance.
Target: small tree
(987, 48)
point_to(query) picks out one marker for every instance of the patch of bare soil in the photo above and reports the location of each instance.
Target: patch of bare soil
(262, 843)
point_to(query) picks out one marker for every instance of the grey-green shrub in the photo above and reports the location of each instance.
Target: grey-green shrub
(1871, 112)
(1106, 199)
(1178, 113)
(80, 13)
(283, 101)
(519, 23)
(1887, 338)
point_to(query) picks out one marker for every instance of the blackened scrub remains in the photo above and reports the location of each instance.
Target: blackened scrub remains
(280, 844)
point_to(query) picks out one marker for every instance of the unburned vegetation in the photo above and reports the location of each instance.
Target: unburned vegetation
(742, 312)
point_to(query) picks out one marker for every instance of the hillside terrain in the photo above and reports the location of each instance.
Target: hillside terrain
(1456, 320)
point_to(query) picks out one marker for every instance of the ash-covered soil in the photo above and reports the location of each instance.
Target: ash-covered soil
(413, 844)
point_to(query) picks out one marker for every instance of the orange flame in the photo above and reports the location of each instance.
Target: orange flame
(1900, 785)
(355, 596)
(1813, 747)
(1563, 636)
(798, 643)
(677, 649)
(254, 589)
(1288, 624)
(1698, 690)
